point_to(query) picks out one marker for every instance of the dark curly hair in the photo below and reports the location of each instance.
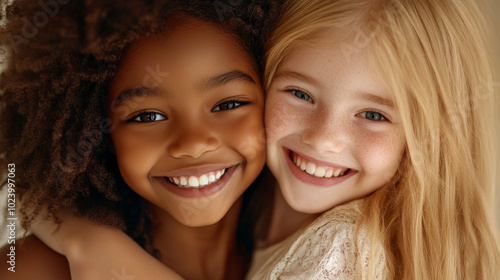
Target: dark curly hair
(62, 56)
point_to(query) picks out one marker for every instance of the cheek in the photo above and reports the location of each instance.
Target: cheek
(281, 119)
(247, 135)
(135, 155)
(380, 153)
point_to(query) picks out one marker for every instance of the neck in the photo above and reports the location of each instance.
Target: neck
(285, 220)
(206, 252)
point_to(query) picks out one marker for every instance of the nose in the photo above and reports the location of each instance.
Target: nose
(325, 132)
(192, 139)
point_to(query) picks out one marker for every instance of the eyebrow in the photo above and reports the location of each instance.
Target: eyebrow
(226, 78)
(136, 92)
(377, 99)
(216, 81)
(308, 79)
(298, 76)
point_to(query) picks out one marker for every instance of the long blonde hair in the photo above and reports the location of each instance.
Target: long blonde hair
(437, 221)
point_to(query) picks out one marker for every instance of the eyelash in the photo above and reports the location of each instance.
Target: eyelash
(307, 96)
(382, 115)
(235, 103)
(309, 99)
(137, 117)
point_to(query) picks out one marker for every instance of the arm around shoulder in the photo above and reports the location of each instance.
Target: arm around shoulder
(29, 258)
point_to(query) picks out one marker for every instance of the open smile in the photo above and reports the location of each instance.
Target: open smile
(315, 172)
(197, 181)
(198, 185)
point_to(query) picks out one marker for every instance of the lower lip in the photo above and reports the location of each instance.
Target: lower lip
(311, 180)
(198, 192)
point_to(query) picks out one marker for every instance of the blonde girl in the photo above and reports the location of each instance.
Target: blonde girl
(379, 117)
(424, 70)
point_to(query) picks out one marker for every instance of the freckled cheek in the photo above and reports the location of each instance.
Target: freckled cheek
(379, 153)
(281, 119)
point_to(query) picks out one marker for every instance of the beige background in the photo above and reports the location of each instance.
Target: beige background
(492, 9)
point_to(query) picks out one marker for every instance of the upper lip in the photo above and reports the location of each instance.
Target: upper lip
(317, 161)
(197, 170)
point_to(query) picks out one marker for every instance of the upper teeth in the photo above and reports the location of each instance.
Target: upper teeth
(318, 171)
(197, 181)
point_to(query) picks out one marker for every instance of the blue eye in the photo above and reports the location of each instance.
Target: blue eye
(146, 117)
(372, 116)
(302, 95)
(228, 105)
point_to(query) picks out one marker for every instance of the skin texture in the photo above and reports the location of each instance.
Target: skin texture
(194, 131)
(191, 121)
(34, 260)
(317, 106)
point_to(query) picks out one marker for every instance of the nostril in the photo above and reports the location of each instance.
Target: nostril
(193, 147)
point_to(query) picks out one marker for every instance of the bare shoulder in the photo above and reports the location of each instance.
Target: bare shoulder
(31, 259)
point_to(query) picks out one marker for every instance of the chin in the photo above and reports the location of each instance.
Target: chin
(306, 207)
(199, 217)
(299, 202)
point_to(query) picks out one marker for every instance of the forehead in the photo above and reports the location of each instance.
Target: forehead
(328, 62)
(192, 49)
(334, 68)
(187, 38)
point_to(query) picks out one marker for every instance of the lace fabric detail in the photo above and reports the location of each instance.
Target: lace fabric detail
(326, 249)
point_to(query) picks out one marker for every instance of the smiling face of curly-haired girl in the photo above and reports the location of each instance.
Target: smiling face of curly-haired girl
(63, 83)
(187, 109)
(56, 95)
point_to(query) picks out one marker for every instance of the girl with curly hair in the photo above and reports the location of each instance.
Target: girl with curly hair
(146, 116)
(379, 135)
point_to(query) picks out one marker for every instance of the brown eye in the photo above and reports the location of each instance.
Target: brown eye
(148, 117)
(228, 105)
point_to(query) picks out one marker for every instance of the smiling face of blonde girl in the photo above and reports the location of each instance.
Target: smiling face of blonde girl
(333, 132)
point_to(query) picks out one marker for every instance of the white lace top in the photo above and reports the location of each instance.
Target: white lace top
(326, 249)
